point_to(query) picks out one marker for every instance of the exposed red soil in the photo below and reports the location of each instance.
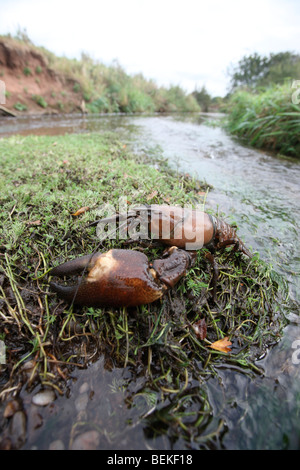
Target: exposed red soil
(27, 76)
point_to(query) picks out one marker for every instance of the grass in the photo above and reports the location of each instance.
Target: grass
(20, 106)
(44, 180)
(267, 119)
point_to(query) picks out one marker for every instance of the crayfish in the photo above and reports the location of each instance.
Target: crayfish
(124, 277)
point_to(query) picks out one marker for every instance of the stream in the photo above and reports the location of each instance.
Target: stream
(260, 193)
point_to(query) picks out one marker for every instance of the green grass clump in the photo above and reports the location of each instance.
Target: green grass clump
(27, 71)
(43, 181)
(20, 106)
(40, 101)
(267, 119)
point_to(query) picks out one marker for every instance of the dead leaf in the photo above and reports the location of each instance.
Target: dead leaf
(222, 345)
(152, 195)
(34, 222)
(80, 211)
(200, 328)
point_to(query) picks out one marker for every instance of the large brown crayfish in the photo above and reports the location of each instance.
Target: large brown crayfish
(125, 277)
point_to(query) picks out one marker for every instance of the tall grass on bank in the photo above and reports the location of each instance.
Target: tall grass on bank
(108, 88)
(268, 119)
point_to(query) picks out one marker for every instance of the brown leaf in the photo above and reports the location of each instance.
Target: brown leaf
(34, 222)
(152, 195)
(200, 328)
(222, 345)
(80, 211)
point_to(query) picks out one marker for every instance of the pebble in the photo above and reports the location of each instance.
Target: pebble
(36, 420)
(57, 445)
(18, 429)
(11, 408)
(84, 387)
(81, 402)
(29, 369)
(87, 441)
(43, 398)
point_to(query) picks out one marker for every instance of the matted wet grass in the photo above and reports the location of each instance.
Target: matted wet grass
(164, 348)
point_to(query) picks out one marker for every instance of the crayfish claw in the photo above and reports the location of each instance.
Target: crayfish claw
(75, 266)
(67, 293)
(121, 278)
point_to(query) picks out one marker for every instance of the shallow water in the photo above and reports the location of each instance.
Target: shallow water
(259, 192)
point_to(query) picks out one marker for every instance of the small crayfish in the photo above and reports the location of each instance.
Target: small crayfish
(126, 278)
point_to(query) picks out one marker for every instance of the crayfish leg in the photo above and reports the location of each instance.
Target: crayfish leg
(210, 257)
(238, 245)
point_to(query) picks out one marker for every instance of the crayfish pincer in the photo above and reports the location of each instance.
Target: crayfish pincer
(121, 278)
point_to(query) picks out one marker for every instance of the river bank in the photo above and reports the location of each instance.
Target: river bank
(33, 81)
(154, 377)
(38, 82)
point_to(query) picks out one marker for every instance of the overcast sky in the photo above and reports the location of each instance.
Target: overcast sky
(190, 43)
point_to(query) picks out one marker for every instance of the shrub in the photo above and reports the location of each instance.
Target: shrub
(20, 106)
(100, 105)
(27, 71)
(76, 87)
(40, 101)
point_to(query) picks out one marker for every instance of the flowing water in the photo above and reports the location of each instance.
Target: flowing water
(259, 192)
